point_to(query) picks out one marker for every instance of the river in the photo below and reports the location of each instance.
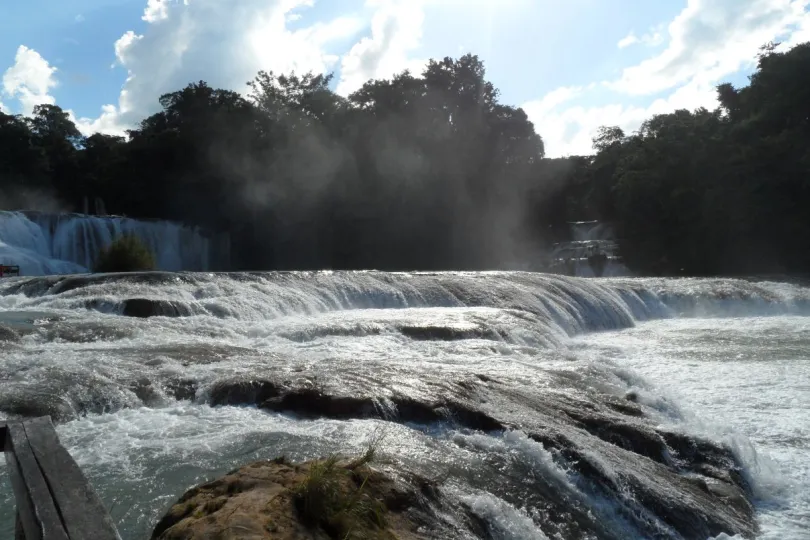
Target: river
(551, 407)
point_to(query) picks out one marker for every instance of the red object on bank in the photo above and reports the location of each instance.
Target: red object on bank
(9, 270)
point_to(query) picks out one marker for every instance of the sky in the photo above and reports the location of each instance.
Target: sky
(573, 65)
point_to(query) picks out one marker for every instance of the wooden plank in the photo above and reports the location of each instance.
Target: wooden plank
(37, 513)
(83, 514)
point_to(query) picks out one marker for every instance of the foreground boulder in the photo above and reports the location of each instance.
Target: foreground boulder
(321, 499)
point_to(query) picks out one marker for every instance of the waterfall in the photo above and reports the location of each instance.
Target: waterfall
(43, 243)
(588, 238)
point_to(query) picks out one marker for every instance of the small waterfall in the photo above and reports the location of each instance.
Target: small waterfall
(43, 243)
(588, 238)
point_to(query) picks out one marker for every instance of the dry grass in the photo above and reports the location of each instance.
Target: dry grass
(335, 497)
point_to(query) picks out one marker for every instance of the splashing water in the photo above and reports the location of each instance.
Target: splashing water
(552, 406)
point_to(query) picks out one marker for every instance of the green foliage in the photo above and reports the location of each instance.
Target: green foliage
(431, 171)
(715, 192)
(125, 254)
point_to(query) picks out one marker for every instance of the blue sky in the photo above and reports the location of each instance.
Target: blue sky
(572, 64)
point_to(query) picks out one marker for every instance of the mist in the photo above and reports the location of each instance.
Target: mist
(24, 198)
(423, 171)
(426, 172)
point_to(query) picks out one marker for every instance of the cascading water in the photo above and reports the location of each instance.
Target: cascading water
(42, 244)
(546, 406)
(588, 238)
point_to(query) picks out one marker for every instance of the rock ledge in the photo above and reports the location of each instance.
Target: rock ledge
(320, 499)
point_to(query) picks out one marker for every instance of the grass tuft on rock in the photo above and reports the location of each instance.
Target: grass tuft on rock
(334, 497)
(126, 253)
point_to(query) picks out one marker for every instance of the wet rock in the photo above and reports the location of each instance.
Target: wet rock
(651, 480)
(243, 391)
(311, 402)
(182, 389)
(448, 333)
(149, 394)
(17, 402)
(636, 438)
(8, 334)
(630, 409)
(321, 499)
(145, 307)
(655, 480)
(308, 400)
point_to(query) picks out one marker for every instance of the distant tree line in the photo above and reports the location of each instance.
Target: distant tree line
(433, 172)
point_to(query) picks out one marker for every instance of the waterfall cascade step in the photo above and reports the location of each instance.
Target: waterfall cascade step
(43, 243)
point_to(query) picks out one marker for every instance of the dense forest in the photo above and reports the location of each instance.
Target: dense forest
(433, 172)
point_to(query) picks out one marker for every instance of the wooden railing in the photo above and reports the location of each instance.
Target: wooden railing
(54, 500)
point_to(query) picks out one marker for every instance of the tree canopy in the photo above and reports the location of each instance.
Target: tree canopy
(432, 171)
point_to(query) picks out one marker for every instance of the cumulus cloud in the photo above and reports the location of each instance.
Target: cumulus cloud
(108, 123)
(222, 43)
(707, 42)
(396, 32)
(569, 131)
(715, 37)
(226, 44)
(30, 80)
(156, 10)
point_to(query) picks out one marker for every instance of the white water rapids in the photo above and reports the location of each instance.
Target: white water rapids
(140, 403)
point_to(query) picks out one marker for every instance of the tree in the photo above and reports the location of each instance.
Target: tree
(127, 253)
(430, 170)
(23, 162)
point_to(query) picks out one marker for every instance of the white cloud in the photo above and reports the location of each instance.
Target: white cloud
(222, 43)
(555, 98)
(801, 34)
(626, 41)
(653, 38)
(707, 42)
(712, 36)
(29, 80)
(108, 122)
(396, 31)
(569, 131)
(156, 10)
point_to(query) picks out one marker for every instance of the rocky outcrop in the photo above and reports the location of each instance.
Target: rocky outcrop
(321, 499)
(145, 307)
(307, 400)
(654, 479)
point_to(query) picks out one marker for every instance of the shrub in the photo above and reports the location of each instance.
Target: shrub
(125, 254)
